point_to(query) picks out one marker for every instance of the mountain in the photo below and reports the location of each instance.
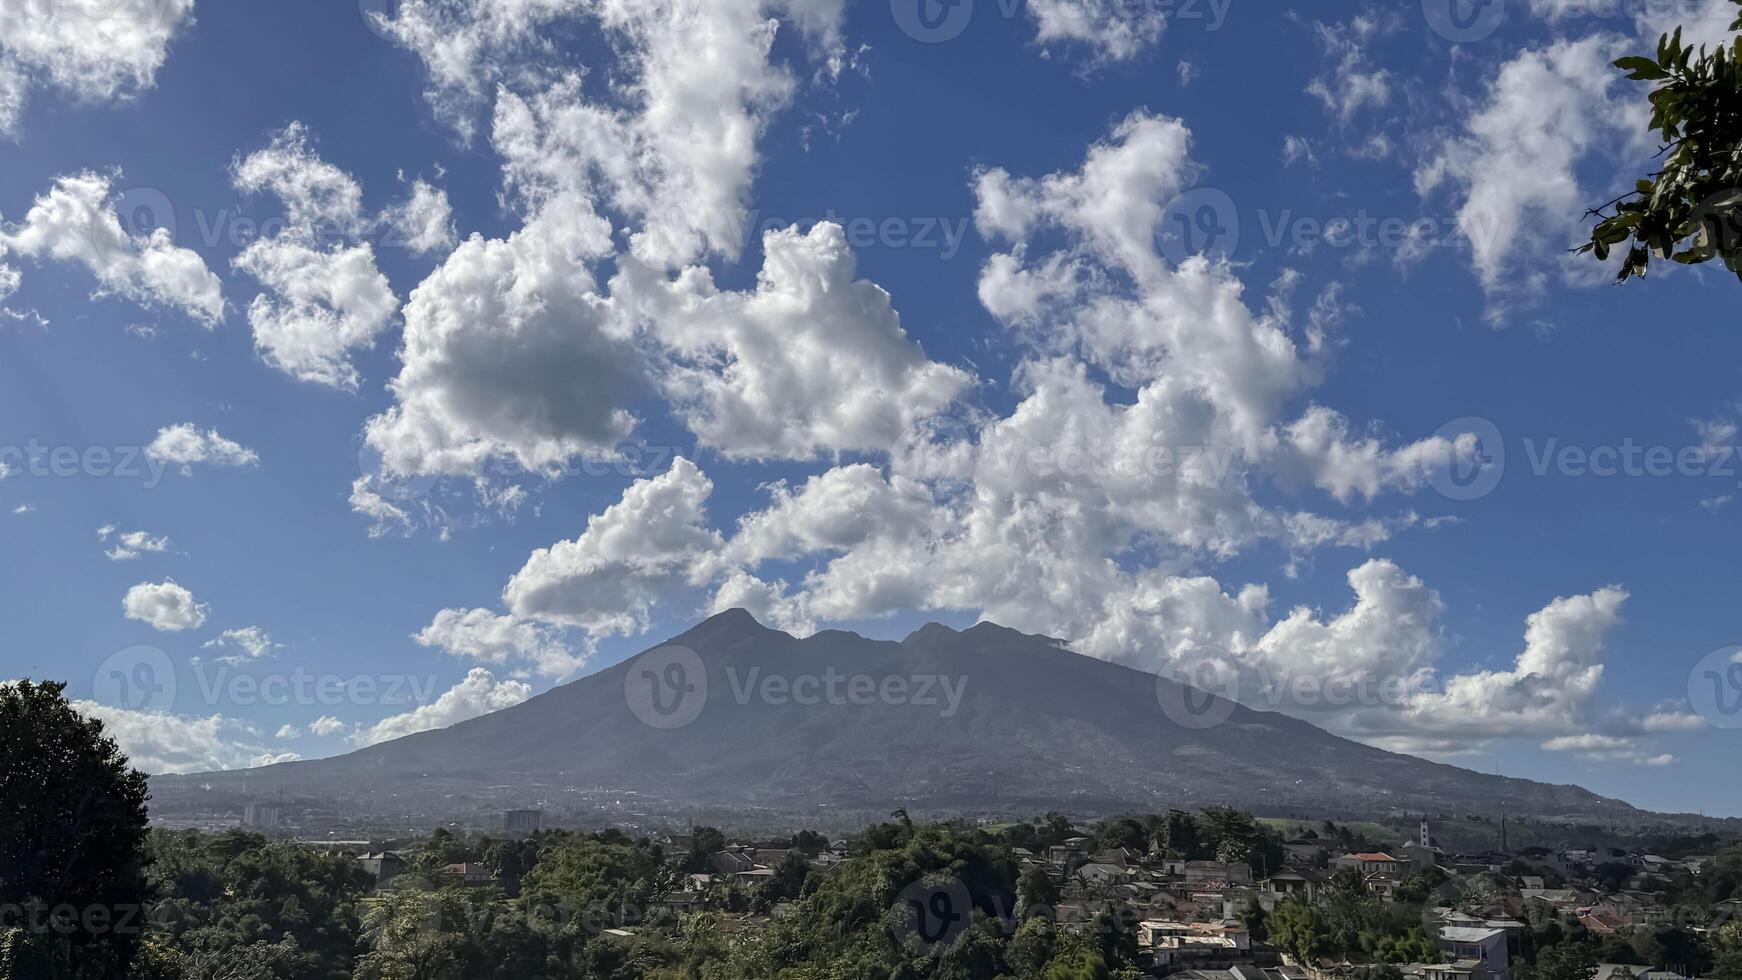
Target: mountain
(1009, 723)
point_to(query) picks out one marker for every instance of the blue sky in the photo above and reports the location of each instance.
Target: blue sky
(394, 283)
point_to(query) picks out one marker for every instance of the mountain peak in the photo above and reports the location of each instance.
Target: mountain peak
(929, 633)
(737, 616)
(724, 627)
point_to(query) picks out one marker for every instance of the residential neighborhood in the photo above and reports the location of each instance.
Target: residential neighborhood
(1420, 911)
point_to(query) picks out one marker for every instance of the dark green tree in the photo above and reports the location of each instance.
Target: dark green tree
(1036, 893)
(1690, 210)
(1571, 960)
(72, 828)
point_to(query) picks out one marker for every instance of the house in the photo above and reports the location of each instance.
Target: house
(1177, 945)
(1244, 971)
(1101, 875)
(1484, 947)
(1417, 856)
(1073, 851)
(383, 866)
(731, 861)
(1194, 871)
(686, 902)
(771, 856)
(1194, 952)
(471, 874)
(1383, 883)
(1302, 882)
(1563, 899)
(1304, 850)
(1627, 971)
(1150, 930)
(1370, 862)
(1601, 923)
(1622, 906)
(1209, 893)
(1124, 857)
(1456, 970)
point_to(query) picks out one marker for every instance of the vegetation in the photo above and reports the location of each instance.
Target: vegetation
(1690, 210)
(913, 901)
(72, 821)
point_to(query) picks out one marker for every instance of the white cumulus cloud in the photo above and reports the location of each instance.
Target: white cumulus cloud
(479, 634)
(184, 445)
(165, 606)
(479, 694)
(94, 50)
(249, 641)
(76, 222)
(129, 545)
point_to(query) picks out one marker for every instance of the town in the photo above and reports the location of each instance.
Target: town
(1210, 895)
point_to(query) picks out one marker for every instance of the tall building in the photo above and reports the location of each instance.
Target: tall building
(523, 821)
(1426, 838)
(259, 816)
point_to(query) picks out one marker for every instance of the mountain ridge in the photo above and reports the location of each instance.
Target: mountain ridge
(1065, 730)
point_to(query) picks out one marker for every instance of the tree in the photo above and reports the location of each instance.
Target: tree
(1036, 893)
(1570, 960)
(1727, 951)
(1689, 211)
(788, 881)
(1254, 918)
(413, 935)
(1296, 928)
(72, 826)
(237, 906)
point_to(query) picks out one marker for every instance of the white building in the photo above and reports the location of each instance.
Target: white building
(1479, 946)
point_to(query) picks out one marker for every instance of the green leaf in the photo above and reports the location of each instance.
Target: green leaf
(1642, 69)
